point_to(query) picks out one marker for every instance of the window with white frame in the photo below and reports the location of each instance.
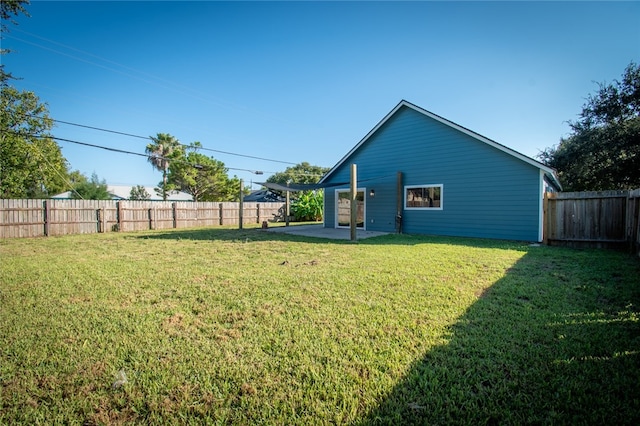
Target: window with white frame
(423, 197)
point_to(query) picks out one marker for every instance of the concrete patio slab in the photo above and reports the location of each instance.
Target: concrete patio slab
(319, 231)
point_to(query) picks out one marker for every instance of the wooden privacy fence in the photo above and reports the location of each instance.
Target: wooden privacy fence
(593, 219)
(35, 218)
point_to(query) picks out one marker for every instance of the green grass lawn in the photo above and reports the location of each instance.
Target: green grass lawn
(223, 326)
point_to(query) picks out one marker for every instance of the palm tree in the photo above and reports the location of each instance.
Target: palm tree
(163, 148)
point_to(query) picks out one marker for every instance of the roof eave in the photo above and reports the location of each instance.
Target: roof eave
(363, 140)
(550, 172)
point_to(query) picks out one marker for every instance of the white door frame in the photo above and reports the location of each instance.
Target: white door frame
(364, 207)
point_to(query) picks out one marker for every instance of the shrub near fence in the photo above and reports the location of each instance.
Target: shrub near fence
(35, 218)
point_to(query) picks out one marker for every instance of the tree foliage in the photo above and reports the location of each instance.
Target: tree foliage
(308, 206)
(305, 205)
(31, 162)
(300, 173)
(93, 189)
(205, 178)
(75, 177)
(603, 150)
(9, 9)
(161, 152)
(139, 192)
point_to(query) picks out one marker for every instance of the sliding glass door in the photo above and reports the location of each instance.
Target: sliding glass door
(343, 208)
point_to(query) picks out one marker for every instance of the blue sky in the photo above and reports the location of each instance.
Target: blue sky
(305, 81)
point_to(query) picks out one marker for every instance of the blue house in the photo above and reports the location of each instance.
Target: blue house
(422, 174)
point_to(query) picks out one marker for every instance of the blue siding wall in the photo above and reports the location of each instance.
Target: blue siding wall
(487, 193)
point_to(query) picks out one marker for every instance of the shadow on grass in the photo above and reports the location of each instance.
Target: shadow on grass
(230, 234)
(257, 234)
(556, 341)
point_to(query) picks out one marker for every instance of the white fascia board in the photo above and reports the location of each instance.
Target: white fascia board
(541, 207)
(362, 141)
(549, 171)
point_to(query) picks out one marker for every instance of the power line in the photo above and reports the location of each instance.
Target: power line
(46, 160)
(177, 88)
(56, 171)
(100, 129)
(152, 79)
(122, 151)
(152, 139)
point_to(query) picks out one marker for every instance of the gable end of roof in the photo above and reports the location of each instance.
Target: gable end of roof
(549, 172)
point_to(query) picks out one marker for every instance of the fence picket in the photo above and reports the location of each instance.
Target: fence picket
(592, 219)
(37, 217)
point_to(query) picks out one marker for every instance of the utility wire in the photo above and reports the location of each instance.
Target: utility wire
(137, 74)
(152, 139)
(97, 128)
(52, 168)
(174, 160)
(122, 151)
(62, 177)
(171, 160)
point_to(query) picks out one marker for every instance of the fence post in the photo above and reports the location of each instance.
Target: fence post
(241, 207)
(151, 219)
(258, 212)
(221, 215)
(545, 218)
(633, 219)
(101, 221)
(120, 216)
(175, 215)
(628, 220)
(47, 217)
(286, 209)
(636, 221)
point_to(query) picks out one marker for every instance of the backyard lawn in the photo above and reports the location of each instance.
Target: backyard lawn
(227, 326)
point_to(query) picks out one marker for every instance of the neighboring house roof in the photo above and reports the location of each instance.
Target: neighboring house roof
(63, 195)
(550, 174)
(123, 192)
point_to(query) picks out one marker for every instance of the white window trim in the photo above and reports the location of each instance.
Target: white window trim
(430, 185)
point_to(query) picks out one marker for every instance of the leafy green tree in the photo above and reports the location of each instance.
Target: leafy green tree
(303, 173)
(161, 152)
(93, 189)
(603, 150)
(31, 162)
(9, 8)
(139, 192)
(203, 177)
(308, 206)
(75, 177)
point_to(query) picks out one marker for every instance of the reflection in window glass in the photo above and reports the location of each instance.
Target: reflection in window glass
(423, 197)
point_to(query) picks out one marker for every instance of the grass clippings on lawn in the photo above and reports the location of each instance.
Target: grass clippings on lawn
(242, 327)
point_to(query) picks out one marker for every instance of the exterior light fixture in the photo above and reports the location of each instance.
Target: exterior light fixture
(372, 193)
